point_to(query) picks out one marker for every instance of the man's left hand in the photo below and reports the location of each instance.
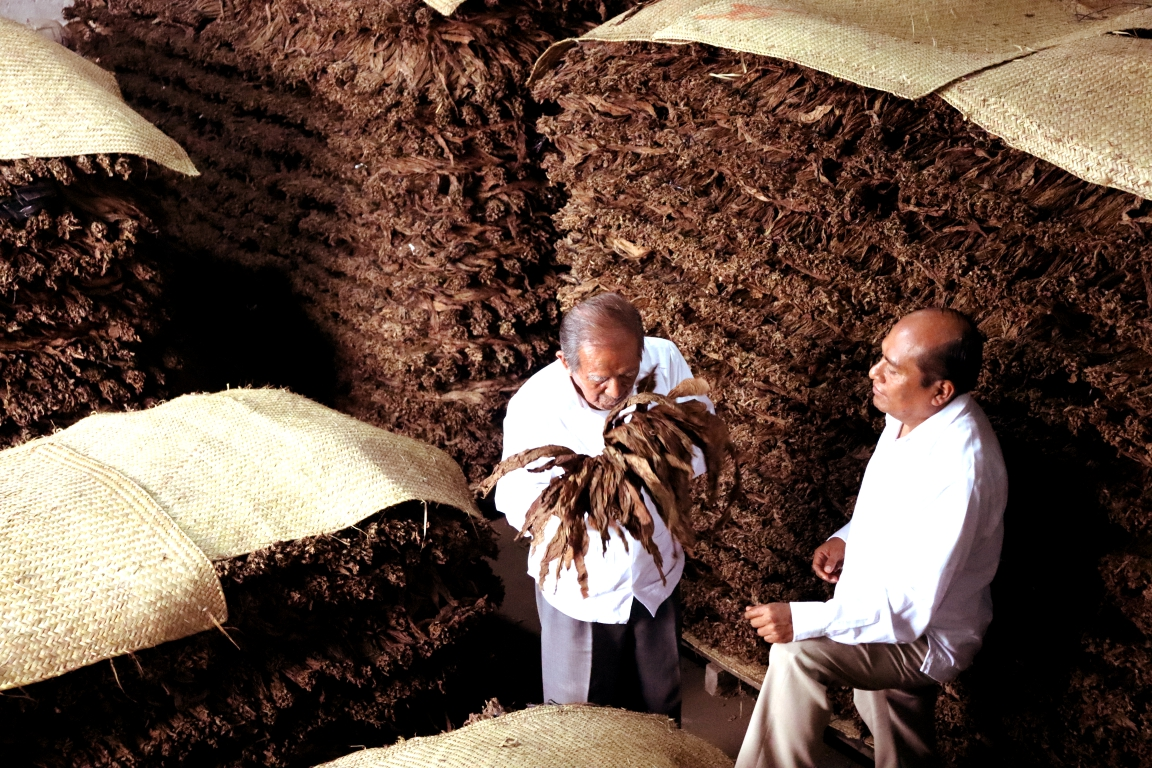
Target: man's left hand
(772, 621)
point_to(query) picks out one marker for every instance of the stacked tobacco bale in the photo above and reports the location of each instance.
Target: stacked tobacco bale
(78, 262)
(331, 640)
(379, 155)
(775, 222)
(79, 280)
(349, 637)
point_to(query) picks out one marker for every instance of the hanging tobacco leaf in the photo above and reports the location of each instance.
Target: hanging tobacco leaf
(648, 442)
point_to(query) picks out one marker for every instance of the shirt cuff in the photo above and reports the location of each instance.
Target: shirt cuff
(811, 620)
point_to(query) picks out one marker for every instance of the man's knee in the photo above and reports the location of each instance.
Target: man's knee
(804, 654)
(785, 653)
(815, 659)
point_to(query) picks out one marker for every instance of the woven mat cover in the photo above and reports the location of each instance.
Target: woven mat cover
(243, 469)
(90, 567)
(445, 7)
(106, 528)
(1085, 106)
(560, 736)
(57, 104)
(907, 47)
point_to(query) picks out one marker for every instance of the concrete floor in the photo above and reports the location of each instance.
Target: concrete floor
(720, 721)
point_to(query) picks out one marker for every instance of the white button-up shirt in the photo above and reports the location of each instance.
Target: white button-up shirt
(923, 543)
(548, 410)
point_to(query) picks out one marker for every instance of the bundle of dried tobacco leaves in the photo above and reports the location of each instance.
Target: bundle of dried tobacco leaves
(649, 449)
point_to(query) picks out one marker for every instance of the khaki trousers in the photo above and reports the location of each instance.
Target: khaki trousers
(894, 697)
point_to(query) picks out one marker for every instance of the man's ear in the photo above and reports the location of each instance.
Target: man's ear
(563, 361)
(945, 391)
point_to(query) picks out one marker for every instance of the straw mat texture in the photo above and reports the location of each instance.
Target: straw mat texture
(1083, 106)
(243, 469)
(562, 736)
(907, 47)
(445, 7)
(90, 567)
(106, 528)
(57, 104)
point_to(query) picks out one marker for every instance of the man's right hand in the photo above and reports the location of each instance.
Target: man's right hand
(829, 559)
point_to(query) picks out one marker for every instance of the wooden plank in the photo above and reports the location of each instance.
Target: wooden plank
(750, 674)
(843, 732)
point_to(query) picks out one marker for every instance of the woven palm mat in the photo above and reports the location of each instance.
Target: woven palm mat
(445, 7)
(57, 104)
(560, 736)
(1083, 106)
(90, 567)
(106, 528)
(1046, 75)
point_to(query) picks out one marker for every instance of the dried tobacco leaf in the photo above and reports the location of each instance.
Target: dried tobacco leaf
(648, 442)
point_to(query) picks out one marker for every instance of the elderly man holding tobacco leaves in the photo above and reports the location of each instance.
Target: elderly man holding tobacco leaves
(912, 568)
(599, 448)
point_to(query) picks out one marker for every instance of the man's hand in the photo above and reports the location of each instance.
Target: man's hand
(829, 559)
(772, 621)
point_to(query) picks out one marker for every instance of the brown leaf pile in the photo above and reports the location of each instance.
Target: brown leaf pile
(382, 159)
(648, 450)
(353, 637)
(775, 222)
(79, 292)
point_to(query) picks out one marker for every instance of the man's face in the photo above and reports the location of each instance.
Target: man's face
(607, 371)
(897, 387)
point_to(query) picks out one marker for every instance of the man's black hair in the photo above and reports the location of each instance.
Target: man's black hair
(957, 361)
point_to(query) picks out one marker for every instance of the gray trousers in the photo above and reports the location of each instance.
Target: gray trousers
(635, 665)
(894, 697)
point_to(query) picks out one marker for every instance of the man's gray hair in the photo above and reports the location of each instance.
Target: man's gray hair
(590, 320)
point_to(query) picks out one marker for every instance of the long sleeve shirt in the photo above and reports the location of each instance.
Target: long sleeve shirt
(548, 410)
(923, 543)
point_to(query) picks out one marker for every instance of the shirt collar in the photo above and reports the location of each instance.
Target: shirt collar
(936, 421)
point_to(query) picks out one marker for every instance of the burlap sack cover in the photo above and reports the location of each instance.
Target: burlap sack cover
(1073, 94)
(445, 7)
(107, 528)
(57, 104)
(1085, 106)
(90, 567)
(559, 736)
(243, 469)
(907, 47)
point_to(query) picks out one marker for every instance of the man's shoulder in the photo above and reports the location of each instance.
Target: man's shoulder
(544, 385)
(661, 349)
(971, 436)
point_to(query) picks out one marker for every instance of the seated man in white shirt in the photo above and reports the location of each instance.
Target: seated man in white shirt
(618, 646)
(912, 568)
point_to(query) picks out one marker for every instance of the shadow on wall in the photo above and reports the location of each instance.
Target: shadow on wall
(1048, 597)
(232, 326)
